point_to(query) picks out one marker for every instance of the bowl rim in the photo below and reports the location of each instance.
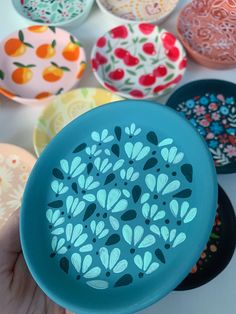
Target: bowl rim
(123, 94)
(88, 7)
(25, 100)
(42, 114)
(124, 20)
(189, 48)
(151, 300)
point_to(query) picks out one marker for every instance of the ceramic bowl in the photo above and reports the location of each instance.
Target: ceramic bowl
(65, 108)
(15, 166)
(68, 13)
(207, 30)
(39, 62)
(118, 210)
(219, 249)
(210, 106)
(138, 61)
(150, 11)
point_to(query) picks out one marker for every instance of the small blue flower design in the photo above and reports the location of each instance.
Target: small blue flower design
(204, 101)
(230, 101)
(201, 130)
(213, 144)
(93, 151)
(213, 98)
(132, 130)
(190, 103)
(216, 128)
(231, 131)
(104, 137)
(224, 110)
(193, 122)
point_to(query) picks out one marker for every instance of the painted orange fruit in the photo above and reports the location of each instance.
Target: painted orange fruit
(82, 69)
(46, 51)
(54, 72)
(15, 47)
(23, 74)
(43, 95)
(38, 29)
(72, 50)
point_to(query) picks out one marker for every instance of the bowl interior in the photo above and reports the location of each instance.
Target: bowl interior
(210, 107)
(118, 210)
(52, 12)
(40, 61)
(138, 61)
(141, 10)
(15, 166)
(209, 30)
(65, 108)
(219, 249)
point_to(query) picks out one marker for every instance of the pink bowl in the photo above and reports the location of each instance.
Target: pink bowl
(39, 62)
(207, 29)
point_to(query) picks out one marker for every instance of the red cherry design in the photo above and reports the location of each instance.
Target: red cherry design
(112, 88)
(173, 54)
(146, 28)
(159, 88)
(116, 75)
(100, 58)
(121, 53)
(168, 40)
(149, 48)
(119, 32)
(165, 86)
(101, 42)
(147, 80)
(94, 64)
(130, 60)
(160, 71)
(137, 93)
(183, 64)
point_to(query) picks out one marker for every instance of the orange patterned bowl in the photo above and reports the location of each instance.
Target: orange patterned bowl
(207, 29)
(39, 62)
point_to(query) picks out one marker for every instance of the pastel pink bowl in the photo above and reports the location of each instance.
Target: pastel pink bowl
(39, 62)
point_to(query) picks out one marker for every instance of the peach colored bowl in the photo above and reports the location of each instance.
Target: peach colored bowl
(207, 29)
(15, 166)
(39, 62)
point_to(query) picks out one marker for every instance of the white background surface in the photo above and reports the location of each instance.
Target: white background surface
(16, 127)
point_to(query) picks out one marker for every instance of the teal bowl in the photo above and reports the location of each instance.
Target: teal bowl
(114, 213)
(54, 13)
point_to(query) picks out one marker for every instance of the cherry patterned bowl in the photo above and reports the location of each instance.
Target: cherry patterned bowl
(207, 29)
(138, 61)
(151, 11)
(39, 62)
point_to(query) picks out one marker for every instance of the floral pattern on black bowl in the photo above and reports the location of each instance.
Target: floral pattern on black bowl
(209, 105)
(219, 249)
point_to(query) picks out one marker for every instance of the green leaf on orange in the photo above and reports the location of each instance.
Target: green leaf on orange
(2, 75)
(21, 36)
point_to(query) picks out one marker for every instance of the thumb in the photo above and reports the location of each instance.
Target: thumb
(9, 243)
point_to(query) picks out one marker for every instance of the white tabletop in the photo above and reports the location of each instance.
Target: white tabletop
(16, 127)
